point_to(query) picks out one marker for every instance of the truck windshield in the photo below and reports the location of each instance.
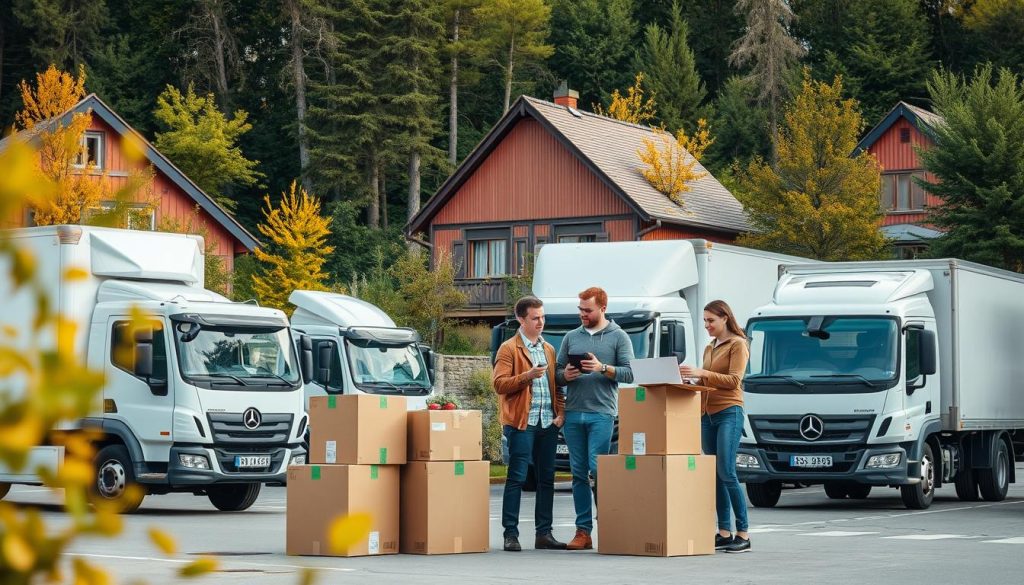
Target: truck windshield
(641, 336)
(237, 354)
(386, 368)
(846, 350)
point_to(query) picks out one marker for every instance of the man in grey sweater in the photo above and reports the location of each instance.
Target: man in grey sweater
(592, 360)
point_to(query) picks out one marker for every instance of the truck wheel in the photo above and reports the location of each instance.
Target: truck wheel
(858, 491)
(919, 496)
(233, 497)
(836, 490)
(995, 481)
(115, 480)
(4, 488)
(966, 485)
(764, 495)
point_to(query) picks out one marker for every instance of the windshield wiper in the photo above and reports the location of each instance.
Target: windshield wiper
(285, 380)
(240, 381)
(382, 384)
(857, 376)
(789, 379)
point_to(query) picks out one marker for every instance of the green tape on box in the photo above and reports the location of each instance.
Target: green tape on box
(383, 455)
(315, 472)
(630, 462)
(383, 401)
(641, 394)
(332, 402)
(691, 463)
(460, 468)
(374, 472)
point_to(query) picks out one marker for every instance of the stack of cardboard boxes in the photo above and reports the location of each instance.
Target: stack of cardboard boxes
(357, 444)
(657, 496)
(445, 484)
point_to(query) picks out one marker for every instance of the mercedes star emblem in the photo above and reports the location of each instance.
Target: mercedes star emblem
(252, 419)
(811, 427)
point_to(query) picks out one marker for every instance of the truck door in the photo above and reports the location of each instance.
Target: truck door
(146, 406)
(922, 392)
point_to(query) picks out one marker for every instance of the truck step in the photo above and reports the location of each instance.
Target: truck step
(151, 477)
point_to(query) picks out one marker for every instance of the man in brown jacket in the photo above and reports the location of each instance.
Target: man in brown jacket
(531, 412)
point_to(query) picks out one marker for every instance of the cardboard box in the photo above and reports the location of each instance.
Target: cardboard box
(319, 494)
(445, 507)
(659, 419)
(656, 505)
(357, 429)
(445, 435)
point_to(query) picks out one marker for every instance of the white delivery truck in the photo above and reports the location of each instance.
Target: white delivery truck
(205, 399)
(357, 348)
(657, 291)
(890, 373)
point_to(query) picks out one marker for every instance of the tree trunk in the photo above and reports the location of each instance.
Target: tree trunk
(414, 184)
(453, 93)
(299, 75)
(508, 75)
(373, 182)
(219, 40)
(384, 199)
(773, 128)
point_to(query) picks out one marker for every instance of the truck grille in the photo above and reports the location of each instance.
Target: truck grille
(230, 430)
(836, 430)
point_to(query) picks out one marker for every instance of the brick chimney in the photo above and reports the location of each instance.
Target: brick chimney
(565, 96)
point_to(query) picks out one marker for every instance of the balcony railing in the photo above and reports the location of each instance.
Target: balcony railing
(486, 295)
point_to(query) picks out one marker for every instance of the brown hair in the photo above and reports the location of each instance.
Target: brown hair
(722, 309)
(526, 303)
(600, 297)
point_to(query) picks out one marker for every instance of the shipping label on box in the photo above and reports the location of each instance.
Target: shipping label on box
(445, 507)
(357, 429)
(445, 435)
(659, 419)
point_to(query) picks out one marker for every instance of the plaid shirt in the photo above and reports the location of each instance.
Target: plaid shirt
(541, 411)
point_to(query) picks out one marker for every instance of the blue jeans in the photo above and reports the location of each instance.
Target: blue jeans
(538, 444)
(587, 434)
(720, 433)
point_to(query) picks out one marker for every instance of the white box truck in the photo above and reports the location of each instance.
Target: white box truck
(889, 373)
(358, 349)
(206, 399)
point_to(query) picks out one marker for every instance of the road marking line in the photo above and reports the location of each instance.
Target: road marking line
(1014, 540)
(186, 561)
(928, 537)
(836, 533)
(886, 516)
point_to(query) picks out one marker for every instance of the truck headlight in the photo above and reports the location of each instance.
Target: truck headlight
(747, 461)
(194, 461)
(298, 460)
(887, 461)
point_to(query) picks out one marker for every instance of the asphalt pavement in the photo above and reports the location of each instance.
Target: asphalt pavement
(808, 538)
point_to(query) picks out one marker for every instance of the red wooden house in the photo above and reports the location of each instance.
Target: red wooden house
(893, 142)
(548, 172)
(175, 196)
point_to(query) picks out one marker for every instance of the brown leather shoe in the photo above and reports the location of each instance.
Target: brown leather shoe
(581, 541)
(548, 542)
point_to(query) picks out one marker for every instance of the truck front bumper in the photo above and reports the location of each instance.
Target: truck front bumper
(222, 465)
(774, 465)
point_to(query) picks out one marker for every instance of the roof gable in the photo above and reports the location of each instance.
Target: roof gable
(607, 147)
(922, 119)
(164, 165)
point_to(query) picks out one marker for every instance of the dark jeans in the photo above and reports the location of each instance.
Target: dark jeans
(587, 434)
(720, 433)
(539, 445)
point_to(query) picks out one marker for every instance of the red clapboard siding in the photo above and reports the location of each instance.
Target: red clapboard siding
(893, 155)
(678, 233)
(620, 230)
(442, 241)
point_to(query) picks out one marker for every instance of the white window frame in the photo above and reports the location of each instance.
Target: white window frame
(100, 150)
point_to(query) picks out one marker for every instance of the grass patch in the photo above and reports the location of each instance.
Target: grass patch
(498, 470)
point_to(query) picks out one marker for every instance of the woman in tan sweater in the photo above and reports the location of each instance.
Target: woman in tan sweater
(725, 361)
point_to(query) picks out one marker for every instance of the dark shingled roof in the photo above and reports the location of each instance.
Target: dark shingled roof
(922, 119)
(609, 148)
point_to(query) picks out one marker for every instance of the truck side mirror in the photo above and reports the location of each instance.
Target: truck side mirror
(306, 358)
(428, 358)
(325, 357)
(677, 340)
(143, 365)
(927, 349)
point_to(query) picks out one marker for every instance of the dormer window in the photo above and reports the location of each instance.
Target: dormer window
(92, 149)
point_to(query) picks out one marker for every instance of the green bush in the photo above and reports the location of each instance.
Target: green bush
(481, 397)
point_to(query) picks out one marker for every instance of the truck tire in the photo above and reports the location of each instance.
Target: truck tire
(233, 497)
(115, 480)
(858, 491)
(995, 481)
(764, 495)
(919, 496)
(836, 490)
(966, 485)
(4, 488)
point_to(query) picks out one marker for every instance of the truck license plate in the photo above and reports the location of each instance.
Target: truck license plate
(252, 461)
(810, 460)
(562, 449)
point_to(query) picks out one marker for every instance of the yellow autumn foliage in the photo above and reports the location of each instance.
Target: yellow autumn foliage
(670, 162)
(632, 107)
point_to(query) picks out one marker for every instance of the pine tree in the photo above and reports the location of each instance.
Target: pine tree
(819, 202)
(203, 142)
(64, 32)
(458, 16)
(714, 27)
(117, 70)
(593, 41)
(978, 162)
(671, 76)
(770, 53)
(997, 28)
(296, 236)
(514, 32)
(741, 126)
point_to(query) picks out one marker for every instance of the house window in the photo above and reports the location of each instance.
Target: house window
(900, 192)
(92, 149)
(577, 239)
(578, 233)
(904, 135)
(138, 216)
(489, 258)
